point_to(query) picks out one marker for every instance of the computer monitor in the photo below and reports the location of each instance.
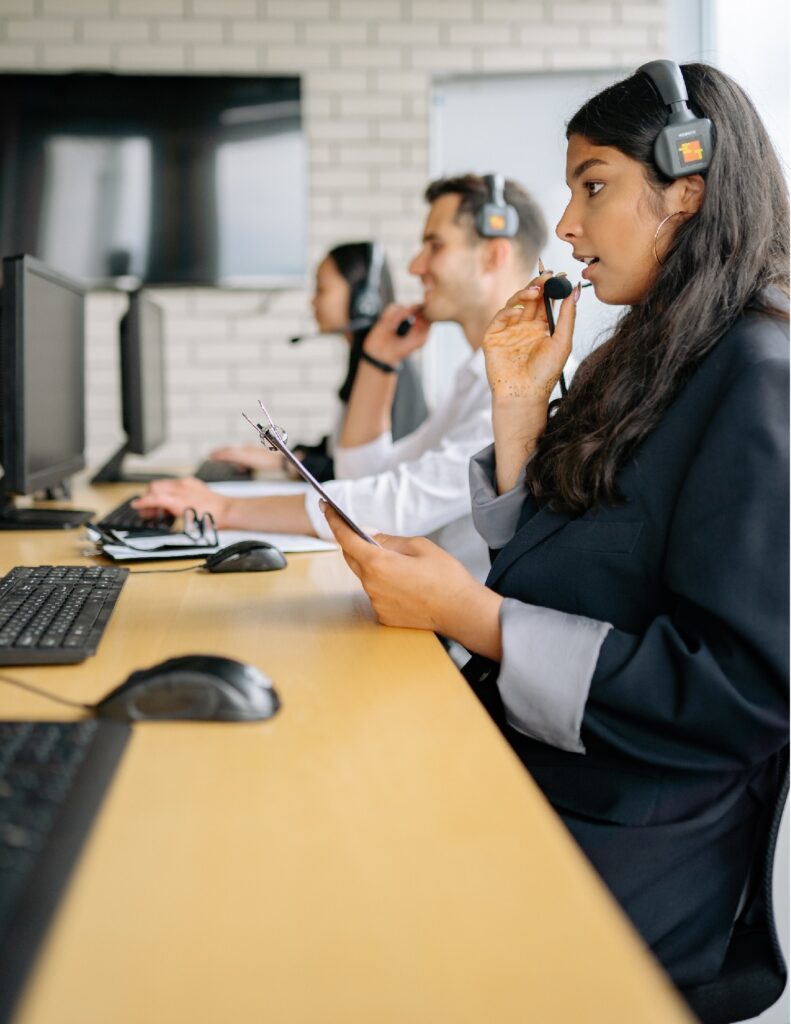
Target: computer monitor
(42, 366)
(143, 399)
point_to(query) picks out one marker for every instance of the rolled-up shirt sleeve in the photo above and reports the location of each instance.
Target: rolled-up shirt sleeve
(495, 516)
(548, 662)
(549, 656)
(363, 459)
(416, 498)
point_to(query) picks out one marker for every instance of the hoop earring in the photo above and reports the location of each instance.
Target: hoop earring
(660, 225)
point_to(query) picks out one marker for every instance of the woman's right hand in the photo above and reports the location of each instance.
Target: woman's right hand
(176, 496)
(413, 583)
(250, 456)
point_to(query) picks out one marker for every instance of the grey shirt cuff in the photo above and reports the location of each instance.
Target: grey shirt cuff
(496, 516)
(548, 662)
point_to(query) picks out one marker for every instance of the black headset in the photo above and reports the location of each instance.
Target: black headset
(496, 218)
(684, 145)
(365, 301)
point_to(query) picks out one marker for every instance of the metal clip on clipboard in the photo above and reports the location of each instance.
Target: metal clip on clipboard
(274, 438)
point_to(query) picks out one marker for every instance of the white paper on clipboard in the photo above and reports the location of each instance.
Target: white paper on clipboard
(270, 438)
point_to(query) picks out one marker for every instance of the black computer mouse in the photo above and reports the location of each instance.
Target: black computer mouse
(197, 686)
(246, 556)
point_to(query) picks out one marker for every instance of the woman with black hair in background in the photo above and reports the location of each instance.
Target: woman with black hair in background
(631, 641)
(341, 277)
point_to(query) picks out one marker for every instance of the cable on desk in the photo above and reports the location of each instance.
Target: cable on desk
(150, 572)
(44, 693)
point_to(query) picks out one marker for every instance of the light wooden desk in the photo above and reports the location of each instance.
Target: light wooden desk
(374, 853)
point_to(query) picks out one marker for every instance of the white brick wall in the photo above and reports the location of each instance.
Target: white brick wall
(367, 68)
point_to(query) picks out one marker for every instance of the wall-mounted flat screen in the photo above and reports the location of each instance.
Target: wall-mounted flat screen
(155, 179)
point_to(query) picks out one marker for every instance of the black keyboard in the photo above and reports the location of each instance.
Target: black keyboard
(53, 776)
(55, 614)
(211, 472)
(124, 517)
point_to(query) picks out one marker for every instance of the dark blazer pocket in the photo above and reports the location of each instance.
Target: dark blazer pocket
(592, 535)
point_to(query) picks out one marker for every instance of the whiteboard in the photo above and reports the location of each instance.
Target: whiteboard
(515, 125)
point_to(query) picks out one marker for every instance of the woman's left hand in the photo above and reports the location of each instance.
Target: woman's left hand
(414, 583)
(523, 364)
(523, 360)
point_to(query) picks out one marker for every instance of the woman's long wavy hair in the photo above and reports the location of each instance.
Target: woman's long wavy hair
(720, 263)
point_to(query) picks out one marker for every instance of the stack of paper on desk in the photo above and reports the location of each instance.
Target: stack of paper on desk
(180, 546)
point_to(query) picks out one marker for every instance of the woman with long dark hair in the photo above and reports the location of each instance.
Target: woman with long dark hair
(632, 639)
(342, 276)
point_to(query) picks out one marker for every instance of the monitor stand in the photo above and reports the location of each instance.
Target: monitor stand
(112, 472)
(13, 518)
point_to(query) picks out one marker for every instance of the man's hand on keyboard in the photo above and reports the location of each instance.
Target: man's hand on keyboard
(175, 496)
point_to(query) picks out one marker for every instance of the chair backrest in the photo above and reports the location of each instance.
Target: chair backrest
(754, 973)
(766, 896)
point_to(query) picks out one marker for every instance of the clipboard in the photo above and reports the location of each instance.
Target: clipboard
(274, 438)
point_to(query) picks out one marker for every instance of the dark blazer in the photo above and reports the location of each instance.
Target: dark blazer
(689, 699)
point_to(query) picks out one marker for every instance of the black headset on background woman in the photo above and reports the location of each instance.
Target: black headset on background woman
(365, 301)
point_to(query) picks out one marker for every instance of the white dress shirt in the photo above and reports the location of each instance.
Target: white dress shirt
(419, 485)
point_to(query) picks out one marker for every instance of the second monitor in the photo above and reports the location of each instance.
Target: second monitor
(143, 397)
(144, 400)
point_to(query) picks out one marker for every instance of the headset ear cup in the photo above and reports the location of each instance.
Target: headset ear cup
(496, 218)
(497, 221)
(365, 302)
(683, 149)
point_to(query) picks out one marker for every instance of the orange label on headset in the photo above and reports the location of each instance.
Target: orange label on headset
(691, 151)
(497, 222)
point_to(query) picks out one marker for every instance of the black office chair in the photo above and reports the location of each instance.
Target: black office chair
(754, 973)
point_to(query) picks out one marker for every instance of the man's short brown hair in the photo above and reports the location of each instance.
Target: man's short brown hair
(531, 236)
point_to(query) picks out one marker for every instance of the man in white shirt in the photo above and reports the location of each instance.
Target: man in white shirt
(419, 484)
